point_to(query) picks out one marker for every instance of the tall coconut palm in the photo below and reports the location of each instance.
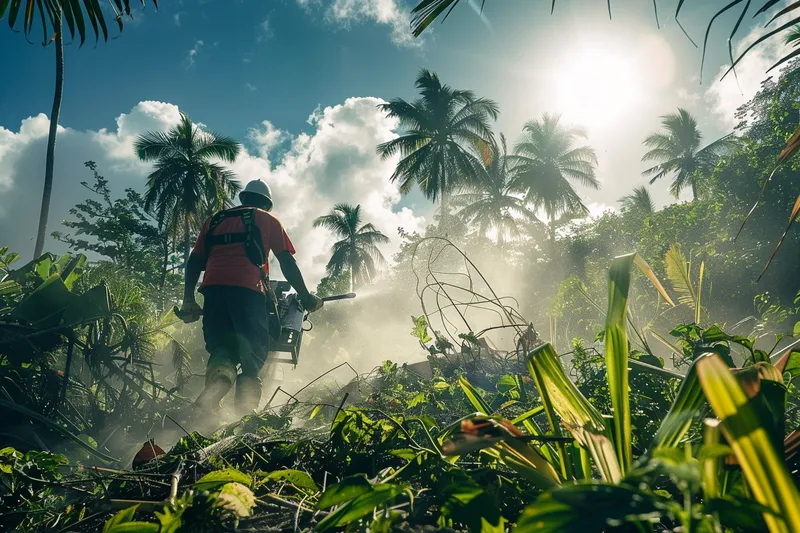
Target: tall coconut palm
(187, 182)
(547, 161)
(677, 151)
(357, 250)
(51, 14)
(439, 132)
(638, 201)
(489, 200)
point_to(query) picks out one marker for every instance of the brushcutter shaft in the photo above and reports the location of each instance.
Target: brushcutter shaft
(347, 296)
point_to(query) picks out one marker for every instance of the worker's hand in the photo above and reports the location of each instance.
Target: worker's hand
(189, 312)
(312, 303)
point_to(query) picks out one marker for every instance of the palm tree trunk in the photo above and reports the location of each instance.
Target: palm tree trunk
(187, 243)
(694, 190)
(51, 139)
(164, 266)
(443, 202)
(352, 265)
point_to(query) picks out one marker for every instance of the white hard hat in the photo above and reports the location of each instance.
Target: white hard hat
(257, 187)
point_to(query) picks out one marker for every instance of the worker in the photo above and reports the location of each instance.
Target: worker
(240, 312)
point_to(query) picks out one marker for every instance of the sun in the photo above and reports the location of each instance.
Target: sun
(596, 89)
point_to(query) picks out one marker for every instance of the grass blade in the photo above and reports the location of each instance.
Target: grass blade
(679, 418)
(770, 482)
(616, 344)
(474, 397)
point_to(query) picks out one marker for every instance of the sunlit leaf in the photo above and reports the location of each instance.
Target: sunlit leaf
(237, 499)
(475, 397)
(297, 478)
(218, 478)
(770, 482)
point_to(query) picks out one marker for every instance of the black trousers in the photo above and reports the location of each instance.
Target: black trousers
(235, 328)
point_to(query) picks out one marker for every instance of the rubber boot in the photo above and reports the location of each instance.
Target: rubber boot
(219, 381)
(248, 394)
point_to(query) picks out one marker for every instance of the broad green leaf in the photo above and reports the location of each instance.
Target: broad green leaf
(738, 514)
(416, 400)
(218, 478)
(360, 507)
(441, 385)
(315, 411)
(506, 383)
(297, 478)
(347, 489)
(237, 499)
(45, 305)
(70, 268)
(770, 482)
(474, 397)
(420, 330)
(589, 507)
(91, 305)
(122, 517)
(687, 404)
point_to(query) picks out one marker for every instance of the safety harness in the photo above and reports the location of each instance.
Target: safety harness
(250, 237)
(254, 249)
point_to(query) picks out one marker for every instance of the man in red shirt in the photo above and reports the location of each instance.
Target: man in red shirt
(231, 246)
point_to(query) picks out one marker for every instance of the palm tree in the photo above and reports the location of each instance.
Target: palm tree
(438, 133)
(638, 201)
(186, 183)
(51, 15)
(490, 200)
(677, 151)
(547, 161)
(357, 251)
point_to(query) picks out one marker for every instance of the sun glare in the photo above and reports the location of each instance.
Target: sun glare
(595, 89)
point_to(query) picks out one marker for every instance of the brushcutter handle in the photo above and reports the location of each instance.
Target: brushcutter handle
(187, 316)
(347, 296)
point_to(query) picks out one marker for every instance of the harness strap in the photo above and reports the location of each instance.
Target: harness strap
(250, 237)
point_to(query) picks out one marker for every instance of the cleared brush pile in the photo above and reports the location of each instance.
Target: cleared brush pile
(487, 439)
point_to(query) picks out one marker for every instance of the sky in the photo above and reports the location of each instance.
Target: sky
(298, 82)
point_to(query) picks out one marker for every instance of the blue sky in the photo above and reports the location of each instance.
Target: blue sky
(233, 64)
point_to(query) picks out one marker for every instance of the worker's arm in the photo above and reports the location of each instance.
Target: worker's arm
(194, 267)
(190, 311)
(292, 274)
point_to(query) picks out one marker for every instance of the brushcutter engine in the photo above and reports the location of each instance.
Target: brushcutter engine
(292, 318)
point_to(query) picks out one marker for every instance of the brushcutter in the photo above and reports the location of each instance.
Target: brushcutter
(292, 317)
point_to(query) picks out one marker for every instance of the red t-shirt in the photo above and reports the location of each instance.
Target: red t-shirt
(228, 264)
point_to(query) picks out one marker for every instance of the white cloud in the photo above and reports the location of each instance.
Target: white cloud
(726, 96)
(266, 138)
(177, 18)
(191, 57)
(392, 13)
(265, 31)
(337, 162)
(687, 96)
